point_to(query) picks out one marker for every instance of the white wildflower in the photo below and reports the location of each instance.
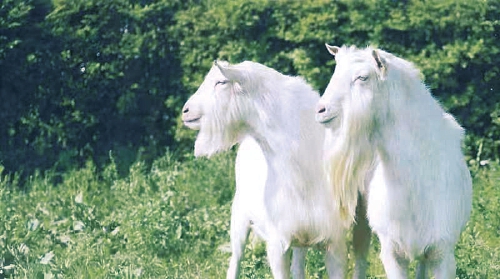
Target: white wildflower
(47, 257)
(79, 198)
(78, 226)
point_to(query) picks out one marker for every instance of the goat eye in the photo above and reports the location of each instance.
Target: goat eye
(222, 82)
(362, 78)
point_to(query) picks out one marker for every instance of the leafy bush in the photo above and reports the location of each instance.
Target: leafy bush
(94, 76)
(81, 78)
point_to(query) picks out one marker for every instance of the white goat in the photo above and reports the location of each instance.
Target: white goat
(384, 121)
(281, 187)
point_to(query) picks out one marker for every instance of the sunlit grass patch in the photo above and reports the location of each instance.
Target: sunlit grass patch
(170, 220)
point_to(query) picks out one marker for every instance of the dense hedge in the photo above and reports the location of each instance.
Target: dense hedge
(81, 78)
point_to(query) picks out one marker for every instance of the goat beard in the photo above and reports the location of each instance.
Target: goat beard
(350, 161)
(216, 137)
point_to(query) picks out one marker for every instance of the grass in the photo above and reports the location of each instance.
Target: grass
(171, 220)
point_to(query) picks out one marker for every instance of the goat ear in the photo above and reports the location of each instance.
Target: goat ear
(230, 72)
(381, 63)
(333, 50)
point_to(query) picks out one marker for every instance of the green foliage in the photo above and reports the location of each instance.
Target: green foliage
(81, 78)
(95, 225)
(481, 238)
(171, 220)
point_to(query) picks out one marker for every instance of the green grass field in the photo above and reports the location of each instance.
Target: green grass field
(171, 220)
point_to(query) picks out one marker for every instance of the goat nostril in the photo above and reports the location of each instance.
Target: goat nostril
(185, 110)
(321, 109)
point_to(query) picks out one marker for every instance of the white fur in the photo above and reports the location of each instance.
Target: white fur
(281, 189)
(420, 197)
